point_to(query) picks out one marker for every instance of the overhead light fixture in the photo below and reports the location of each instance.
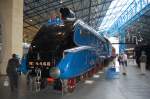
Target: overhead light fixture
(61, 1)
(59, 33)
(61, 25)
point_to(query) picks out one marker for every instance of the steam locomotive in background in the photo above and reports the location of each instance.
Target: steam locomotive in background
(66, 51)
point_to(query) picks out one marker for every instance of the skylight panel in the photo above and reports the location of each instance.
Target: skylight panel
(116, 8)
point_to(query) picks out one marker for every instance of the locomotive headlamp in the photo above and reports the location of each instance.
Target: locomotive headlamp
(55, 72)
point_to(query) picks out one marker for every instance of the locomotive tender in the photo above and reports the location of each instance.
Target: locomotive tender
(66, 52)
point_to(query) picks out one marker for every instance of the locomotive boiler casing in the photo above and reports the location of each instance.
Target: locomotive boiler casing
(84, 35)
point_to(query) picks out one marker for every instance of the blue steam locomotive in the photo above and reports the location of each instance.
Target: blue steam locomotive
(65, 52)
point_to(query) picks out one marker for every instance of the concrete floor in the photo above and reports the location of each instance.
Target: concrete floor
(131, 86)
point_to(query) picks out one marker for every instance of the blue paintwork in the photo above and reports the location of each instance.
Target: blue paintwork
(81, 59)
(23, 66)
(77, 62)
(84, 35)
(55, 21)
(92, 47)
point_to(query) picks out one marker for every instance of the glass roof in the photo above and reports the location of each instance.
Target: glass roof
(116, 8)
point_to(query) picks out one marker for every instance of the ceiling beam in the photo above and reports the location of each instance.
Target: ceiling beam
(95, 5)
(29, 3)
(45, 20)
(74, 6)
(35, 12)
(30, 25)
(89, 11)
(98, 16)
(38, 6)
(49, 8)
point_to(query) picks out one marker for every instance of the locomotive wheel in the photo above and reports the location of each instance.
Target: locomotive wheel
(86, 75)
(101, 66)
(57, 85)
(97, 68)
(81, 78)
(89, 73)
(44, 83)
(93, 71)
(71, 85)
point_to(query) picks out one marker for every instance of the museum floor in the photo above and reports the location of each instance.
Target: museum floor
(132, 86)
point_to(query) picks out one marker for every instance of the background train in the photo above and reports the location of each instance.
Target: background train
(66, 51)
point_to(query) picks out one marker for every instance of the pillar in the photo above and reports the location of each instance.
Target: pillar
(11, 20)
(122, 46)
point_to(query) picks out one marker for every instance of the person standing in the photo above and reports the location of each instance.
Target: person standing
(125, 58)
(11, 71)
(143, 60)
(120, 60)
